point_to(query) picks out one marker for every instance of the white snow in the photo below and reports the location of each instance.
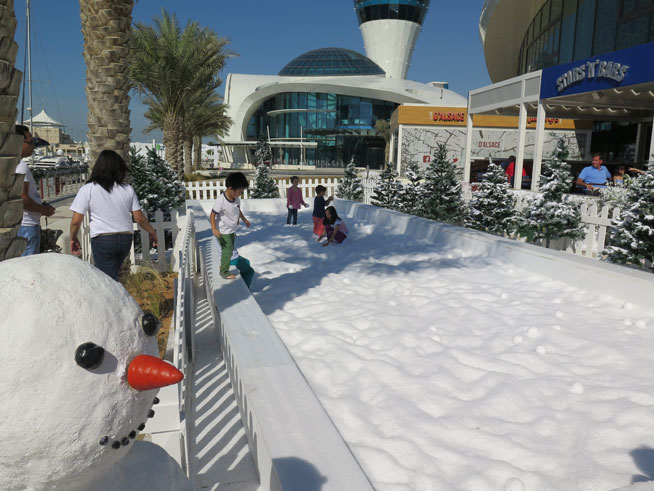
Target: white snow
(449, 371)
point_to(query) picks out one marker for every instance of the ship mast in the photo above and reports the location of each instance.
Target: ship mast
(29, 65)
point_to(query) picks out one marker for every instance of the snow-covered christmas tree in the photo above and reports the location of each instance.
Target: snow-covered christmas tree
(387, 189)
(632, 237)
(155, 183)
(411, 198)
(262, 152)
(264, 186)
(492, 207)
(442, 190)
(552, 215)
(350, 186)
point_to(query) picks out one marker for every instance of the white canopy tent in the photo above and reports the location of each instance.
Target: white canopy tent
(617, 86)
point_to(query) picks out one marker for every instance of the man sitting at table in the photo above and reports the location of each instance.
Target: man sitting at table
(594, 176)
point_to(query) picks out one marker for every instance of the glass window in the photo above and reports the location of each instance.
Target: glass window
(568, 31)
(633, 5)
(605, 21)
(545, 20)
(651, 28)
(402, 14)
(311, 100)
(632, 32)
(374, 12)
(584, 33)
(557, 8)
(537, 26)
(393, 10)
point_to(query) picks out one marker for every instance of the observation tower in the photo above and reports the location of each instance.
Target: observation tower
(390, 29)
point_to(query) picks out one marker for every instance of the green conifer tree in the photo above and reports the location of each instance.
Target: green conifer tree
(263, 152)
(632, 237)
(387, 189)
(155, 183)
(411, 198)
(492, 207)
(264, 185)
(442, 190)
(552, 215)
(350, 187)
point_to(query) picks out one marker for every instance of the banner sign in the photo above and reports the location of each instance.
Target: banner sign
(622, 68)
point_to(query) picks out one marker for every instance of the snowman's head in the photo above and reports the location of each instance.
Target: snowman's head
(73, 394)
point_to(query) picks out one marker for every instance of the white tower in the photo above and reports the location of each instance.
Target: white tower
(390, 29)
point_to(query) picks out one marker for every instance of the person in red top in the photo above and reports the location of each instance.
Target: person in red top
(510, 170)
(294, 200)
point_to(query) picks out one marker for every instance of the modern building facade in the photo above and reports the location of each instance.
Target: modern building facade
(322, 107)
(586, 60)
(390, 30)
(520, 36)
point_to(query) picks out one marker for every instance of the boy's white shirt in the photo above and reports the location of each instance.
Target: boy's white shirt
(227, 214)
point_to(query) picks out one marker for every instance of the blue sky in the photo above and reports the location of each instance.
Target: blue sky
(266, 35)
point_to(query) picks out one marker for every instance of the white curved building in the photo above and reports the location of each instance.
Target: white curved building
(321, 109)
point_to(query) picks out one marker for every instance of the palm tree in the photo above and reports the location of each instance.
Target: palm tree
(383, 128)
(106, 27)
(207, 118)
(10, 142)
(170, 67)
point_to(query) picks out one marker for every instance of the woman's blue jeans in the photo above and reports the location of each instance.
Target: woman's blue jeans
(109, 252)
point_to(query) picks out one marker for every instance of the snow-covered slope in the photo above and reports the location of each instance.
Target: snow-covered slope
(448, 368)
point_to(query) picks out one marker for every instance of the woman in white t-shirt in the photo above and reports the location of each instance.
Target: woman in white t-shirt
(111, 205)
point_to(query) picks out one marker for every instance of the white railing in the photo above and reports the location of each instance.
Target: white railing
(65, 185)
(210, 190)
(598, 221)
(160, 260)
(184, 334)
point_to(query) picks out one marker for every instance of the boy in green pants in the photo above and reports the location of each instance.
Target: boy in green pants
(228, 210)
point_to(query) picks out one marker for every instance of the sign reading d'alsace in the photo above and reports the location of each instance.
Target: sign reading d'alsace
(622, 68)
(458, 117)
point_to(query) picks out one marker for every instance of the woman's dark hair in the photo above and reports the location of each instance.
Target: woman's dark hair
(293, 178)
(109, 169)
(332, 212)
(512, 159)
(237, 180)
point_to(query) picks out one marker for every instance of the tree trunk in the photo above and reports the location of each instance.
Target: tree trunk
(188, 154)
(106, 27)
(172, 131)
(11, 185)
(197, 153)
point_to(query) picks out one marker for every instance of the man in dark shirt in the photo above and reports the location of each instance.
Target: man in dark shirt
(319, 204)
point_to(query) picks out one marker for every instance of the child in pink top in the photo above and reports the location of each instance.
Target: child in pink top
(335, 229)
(294, 200)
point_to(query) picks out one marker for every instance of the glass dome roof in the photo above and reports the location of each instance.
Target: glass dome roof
(329, 62)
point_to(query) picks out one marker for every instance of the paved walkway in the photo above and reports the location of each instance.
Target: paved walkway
(220, 458)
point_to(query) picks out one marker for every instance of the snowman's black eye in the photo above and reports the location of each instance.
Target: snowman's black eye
(150, 324)
(89, 355)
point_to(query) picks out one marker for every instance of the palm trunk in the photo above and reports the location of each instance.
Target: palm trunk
(11, 205)
(188, 154)
(172, 130)
(197, 153)
(106, 27)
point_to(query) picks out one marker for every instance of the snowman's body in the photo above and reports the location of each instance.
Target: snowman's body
(64, 426)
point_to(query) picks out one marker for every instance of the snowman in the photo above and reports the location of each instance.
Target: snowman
(78, 379)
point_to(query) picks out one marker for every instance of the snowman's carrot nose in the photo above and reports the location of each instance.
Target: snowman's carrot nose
(147, 372)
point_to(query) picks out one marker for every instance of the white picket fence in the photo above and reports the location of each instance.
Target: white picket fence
(56, 187)
(210, 190)
(159, 258)
(598, 222)
(184, 335)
